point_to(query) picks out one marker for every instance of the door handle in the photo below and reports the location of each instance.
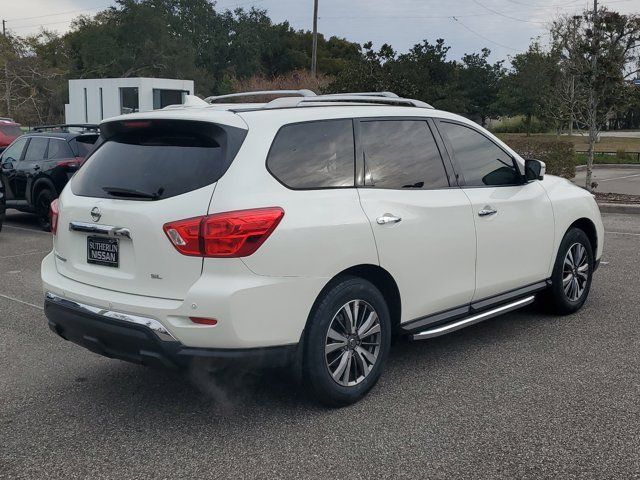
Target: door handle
(487, 211)
(387, 218)
(36, 167)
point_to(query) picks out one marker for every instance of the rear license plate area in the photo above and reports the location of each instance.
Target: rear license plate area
(103, 251)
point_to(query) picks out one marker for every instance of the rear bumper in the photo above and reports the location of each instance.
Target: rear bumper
(142, 340)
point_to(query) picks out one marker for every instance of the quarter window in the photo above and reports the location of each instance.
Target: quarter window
(401, 154)
(314, 155)
(36, 149)
(483, 163)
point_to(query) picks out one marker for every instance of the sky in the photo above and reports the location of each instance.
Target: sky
(506, 27)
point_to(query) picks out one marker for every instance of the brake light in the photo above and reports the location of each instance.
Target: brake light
(54, 213)
(69, 163)
(229, 234)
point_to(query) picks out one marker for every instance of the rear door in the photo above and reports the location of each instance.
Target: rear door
(423, 226)
(144, 175)
(30, 165)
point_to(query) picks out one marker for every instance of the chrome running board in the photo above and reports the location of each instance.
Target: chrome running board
(465, 322)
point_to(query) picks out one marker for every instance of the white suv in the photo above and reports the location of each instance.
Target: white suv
(307, 231)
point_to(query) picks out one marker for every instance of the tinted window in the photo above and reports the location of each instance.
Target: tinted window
(161, 162)
(314, 155)
(402, 154)
(59, 149)
(14, 151)
(11, 130)
(482, 161)
(36, 149)
(85, 143)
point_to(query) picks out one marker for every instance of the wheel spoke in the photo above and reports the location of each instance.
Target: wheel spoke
(366, 354)
(367, 323)
(347, 310)
(374, 329)
(337, 373)
(347, 371)
(332, 347)
(566, 280)
(356, 311)
(333, 335)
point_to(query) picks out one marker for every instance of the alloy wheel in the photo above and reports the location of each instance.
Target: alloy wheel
(352, 343)
(575, 271)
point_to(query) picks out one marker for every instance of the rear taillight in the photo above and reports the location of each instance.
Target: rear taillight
(229, 234)
(75, 163)
(54, 213)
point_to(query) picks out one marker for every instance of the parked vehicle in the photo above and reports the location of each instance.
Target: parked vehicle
(9, 131)
(307, 231)
(37, 166)
(3, 206)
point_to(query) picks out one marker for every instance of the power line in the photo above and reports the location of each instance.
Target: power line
(504, 15)
(57, 14)
(482, 36)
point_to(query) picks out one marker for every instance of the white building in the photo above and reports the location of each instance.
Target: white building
(91, 100)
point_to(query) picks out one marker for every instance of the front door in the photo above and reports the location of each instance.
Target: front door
(30, 165)
(514, 220)
(423, 227)
(9, 162)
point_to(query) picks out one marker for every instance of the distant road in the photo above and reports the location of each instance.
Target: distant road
(614, 180)
(619, 134)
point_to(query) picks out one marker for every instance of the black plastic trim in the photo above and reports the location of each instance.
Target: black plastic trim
(472, 308)
(135, 343)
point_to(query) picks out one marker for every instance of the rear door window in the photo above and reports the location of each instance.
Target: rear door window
(157, 160)
(314, 155)
(58, 149)
(401, 154)
(36, 149)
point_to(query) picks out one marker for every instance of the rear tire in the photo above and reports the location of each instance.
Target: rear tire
(43, 202)
(572, 274)
(347, 342)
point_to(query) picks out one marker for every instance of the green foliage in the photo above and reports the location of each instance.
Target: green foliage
(558, 155)
(519, 125)
(526, 89)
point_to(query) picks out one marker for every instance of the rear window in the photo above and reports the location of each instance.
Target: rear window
(11, 130)
(157, 160)
(85, 143)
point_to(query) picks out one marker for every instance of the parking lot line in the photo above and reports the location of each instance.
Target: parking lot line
(620, 178)
(14, 299)
(624, 233)
(27, 229)
(26, 253)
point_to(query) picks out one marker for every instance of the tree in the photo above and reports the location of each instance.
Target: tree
(599, 49)
(529, 83)
(479, 84)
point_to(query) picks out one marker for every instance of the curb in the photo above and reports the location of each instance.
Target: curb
(619, 208)
(597, 166)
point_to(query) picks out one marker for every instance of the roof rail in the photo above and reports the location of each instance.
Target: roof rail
(362, 99)
(369, 94)
(66, 126)
(301, 93)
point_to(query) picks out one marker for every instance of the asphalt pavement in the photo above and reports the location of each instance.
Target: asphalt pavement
(613, 180)
(525, 395)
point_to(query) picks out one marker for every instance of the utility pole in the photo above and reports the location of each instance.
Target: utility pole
(4, 28)
(593, 105)
(314, 48)
(6, 72)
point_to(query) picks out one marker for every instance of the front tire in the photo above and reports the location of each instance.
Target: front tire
(43, 203)
(347, 343)
(572, 274)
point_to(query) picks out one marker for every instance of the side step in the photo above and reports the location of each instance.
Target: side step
(477, 318)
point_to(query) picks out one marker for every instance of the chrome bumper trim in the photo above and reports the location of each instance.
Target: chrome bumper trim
(109, 230)
(465, 322)
(151, 323)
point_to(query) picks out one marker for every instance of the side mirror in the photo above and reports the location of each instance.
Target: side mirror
(7, 163)
(534, 169)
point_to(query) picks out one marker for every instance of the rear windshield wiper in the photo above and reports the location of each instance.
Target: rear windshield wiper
(132, 193)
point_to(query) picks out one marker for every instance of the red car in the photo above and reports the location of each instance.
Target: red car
(9, 131)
